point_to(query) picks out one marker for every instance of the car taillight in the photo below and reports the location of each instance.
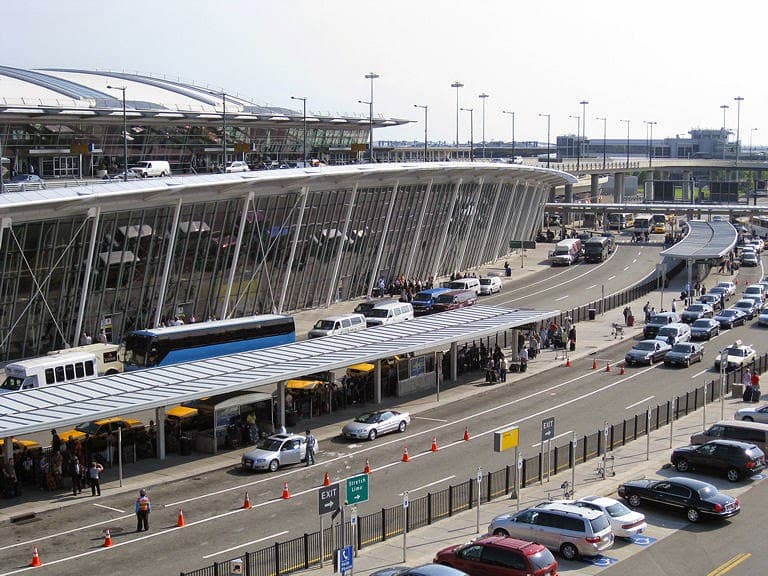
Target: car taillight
(736, 502)
(718, 507)
(631, 525)
(751, 464)
(593, 539)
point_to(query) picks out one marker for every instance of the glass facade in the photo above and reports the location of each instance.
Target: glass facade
(128, 263)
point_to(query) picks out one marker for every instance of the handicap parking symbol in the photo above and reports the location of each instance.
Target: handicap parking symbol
(758, 477)
(601, 560)
(641, 540)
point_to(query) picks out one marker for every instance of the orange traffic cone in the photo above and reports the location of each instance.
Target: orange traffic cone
(594, 364)
(246, 502)
(607, 366)
(622, 371)
(568, 362)
(405, 454)
(286, 494)
(180, 519)
(327, 480)
(466, 434)
(35, 558)
(367, 469)
(434, 447)
(107, 539)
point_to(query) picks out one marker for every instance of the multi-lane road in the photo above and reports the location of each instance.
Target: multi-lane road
(218, 528)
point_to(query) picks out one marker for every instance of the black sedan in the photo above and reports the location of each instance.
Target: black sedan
(704, 329)
(696, 311)
(698, 499)
(731, 317)
(732, 459)
(684, 354)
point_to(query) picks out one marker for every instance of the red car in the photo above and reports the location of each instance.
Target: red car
(499, 556)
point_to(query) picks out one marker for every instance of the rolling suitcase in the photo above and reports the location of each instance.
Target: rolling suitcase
(755, 394)
(747, 395)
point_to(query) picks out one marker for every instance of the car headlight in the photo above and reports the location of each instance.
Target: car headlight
(261, 460)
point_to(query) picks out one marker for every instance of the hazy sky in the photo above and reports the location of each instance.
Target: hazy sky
(674, 62)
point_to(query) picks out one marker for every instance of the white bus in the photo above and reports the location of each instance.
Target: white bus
(759, 226)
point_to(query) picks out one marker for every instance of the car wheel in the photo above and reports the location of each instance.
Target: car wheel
(274, 465)
(500, 532)
(650, 361)
(401, 428)
(682, 465)
(569, 551)
(748, 419)
(693, 515)
(634, 500)
(372, 434)
(733, 475)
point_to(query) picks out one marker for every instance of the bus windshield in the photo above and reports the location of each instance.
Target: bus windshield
(12, 383)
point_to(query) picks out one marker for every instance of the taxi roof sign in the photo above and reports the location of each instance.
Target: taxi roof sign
(506, 439)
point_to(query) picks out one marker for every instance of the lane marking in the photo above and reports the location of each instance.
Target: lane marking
(626, 268)
(611, 277)
(590, 287)
(275, 535)
(562, 298)
(430, 419)
(110, 508)
(699, 373)
(635, 260)
(639, 402)
(430, 484)
(553, 438)
(730, 564)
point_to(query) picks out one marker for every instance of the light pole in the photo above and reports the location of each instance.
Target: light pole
(627, 121)
(424, 107)
(583, 124)
(370, 107)
(458, 85)
(125, 133)
(224, 130)
(605, 121)
(724, 107)
(471, 133)
(739, 100)
(371, 76)
(549, 118)
(304, 102)
(513, 131)
(578, 132)
(483, 98)
(649, 124)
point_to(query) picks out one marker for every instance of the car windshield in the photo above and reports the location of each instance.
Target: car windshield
(736, 352)
(659, 320)
(367, 418)
(696, 308)
(541, 560)
(617, 509)
(707, 491)
(485, 281)
(270, 444)
(600, 523)
(87, 428)
(704, 323)
(645, 346)
(377, 313)
(682, 348)
(444, 299)
(324, 325)
(422, 297)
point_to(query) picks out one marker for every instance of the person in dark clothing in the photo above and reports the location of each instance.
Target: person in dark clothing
(76, 474)
(94, 470)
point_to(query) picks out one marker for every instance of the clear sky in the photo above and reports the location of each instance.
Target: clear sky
(673, 62)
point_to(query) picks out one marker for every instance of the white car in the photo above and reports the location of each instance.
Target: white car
(749, 259)
(372, 424)
(738, 355)
(752, 414)
(237, 166)
(762, 318)
(624, 522)
(490, 284)
(730, 287)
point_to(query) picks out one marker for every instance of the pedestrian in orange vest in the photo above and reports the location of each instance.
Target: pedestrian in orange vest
(143, 508)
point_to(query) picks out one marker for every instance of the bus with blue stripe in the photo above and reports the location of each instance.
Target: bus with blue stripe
(201, 340)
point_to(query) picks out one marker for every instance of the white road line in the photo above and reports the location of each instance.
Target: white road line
(639, 402)
(699, 374)
(275, 535)
(110, 508)
(562, 298)
(626, 268)
(590, 287)
(430, 484)
(554, 438)
(430, 419)
(635, 260)
(611, 277)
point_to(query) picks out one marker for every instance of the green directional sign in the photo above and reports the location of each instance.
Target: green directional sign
(357, 489)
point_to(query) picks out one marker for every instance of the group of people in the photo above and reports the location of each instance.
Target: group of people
(402, 287)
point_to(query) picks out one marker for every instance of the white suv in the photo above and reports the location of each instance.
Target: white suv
(237, 166)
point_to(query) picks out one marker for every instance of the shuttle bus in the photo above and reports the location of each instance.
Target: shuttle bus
(188, 342)
(620, 220)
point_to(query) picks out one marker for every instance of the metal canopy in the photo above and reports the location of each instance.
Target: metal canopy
(705, 240)
(49, 407)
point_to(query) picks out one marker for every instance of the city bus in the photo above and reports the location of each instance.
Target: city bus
(620, 220)
(188, 342)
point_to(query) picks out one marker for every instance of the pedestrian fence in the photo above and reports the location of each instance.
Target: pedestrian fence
(304, 552)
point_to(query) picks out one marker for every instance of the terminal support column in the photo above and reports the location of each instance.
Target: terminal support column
(281, 403)
(483, 247)
(446, 225)
(468, 233)
(377, 382)
(384, 232)
(687, 192)
(618, 187)
(454, 362)
(503, 229)
(167, 266)
(235, 258)
(7, 449)
(289, 265)
(594, 188)
(94, 213)
(160, 431)
(332, 288)
(417, 240)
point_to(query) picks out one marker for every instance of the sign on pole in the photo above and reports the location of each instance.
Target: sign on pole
(357, 489)
(328, 499)
(344, 559)
(547, 429)
(506, 439)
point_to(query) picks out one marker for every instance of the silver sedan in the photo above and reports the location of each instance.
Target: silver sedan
(276, 451)
(373, 424)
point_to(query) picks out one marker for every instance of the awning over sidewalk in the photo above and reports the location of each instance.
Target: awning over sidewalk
(704, 241)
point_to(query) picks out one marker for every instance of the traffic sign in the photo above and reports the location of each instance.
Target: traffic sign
(506, 439)
(406, 500)
(357, 489)
(547, 429)
(344, 559)
(328, 499)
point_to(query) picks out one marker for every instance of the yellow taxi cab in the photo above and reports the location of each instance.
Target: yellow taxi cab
(20, 444)
(101, 428)
(659, 228)
(365, 369)
(303, 384)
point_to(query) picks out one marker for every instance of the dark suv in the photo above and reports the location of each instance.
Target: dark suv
(731, 458)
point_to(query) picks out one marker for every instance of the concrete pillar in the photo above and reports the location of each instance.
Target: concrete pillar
(568, 215)
(618, 187)
(513, 344)
(551, 197)
(594, 188)
(377, 382)
(687, 192)
(7, 448)
(281, 403)
(160, 431)
(454, 362)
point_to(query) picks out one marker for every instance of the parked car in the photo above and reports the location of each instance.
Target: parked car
(753, 414)
(569, 529)
(762, 317)
(423, 570)
(237, 166)
(684, 354)
(500, 556)
(704, 329)
(713, 300)
(730, 317)
(735, 460)
(749, 259)
(275, 451)
(657, 321)
(101, 429)
(720, 291)
(749, 306)
(647, 352)
(373, 424)
(132, 175)
(730, 287)
(490, 284)
(698, 499)
(696, 311)
(26, 179)
(738, 355)
(624, 522)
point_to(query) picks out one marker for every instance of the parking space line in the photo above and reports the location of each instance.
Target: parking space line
(110, 508)
(430, 484)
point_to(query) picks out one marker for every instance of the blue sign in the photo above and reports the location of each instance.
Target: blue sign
(641, 540)
(346, 555)
(600, 560)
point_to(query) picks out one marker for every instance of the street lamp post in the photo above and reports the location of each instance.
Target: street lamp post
(627, 121)
(224, 130)
(578, 133)
(125, 133)
(371, 76)
(513, 131)
(304, 102)
(549, 118)
(649, 124)
(424, 107)
(458, 85)
(483, 98)
(605, 121)
(724, 107)
(739, 100)
(370, 107)
(471, 133)
(583, 124)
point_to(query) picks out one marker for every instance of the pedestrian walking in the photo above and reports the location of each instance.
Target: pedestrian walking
(75, 474)
(143, 508)
(746, 378)
(311, 447)
(503, 368)
(94, 470)
(523, 359)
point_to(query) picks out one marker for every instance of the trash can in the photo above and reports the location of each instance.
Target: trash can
(592, 313)
(185, 445)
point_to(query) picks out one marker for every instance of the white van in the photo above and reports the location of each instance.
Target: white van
(567, 252)
(388, 313)
(334, 325)
(152, 168)
(465, 284)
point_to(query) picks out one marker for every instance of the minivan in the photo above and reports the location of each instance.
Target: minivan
(657, 321)
(674, 333)
(454, 299)
(152, 168)
(569, 529)
(751, 432)
(388, 313)
(465, 284)
(334, 325)
(424, 300)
